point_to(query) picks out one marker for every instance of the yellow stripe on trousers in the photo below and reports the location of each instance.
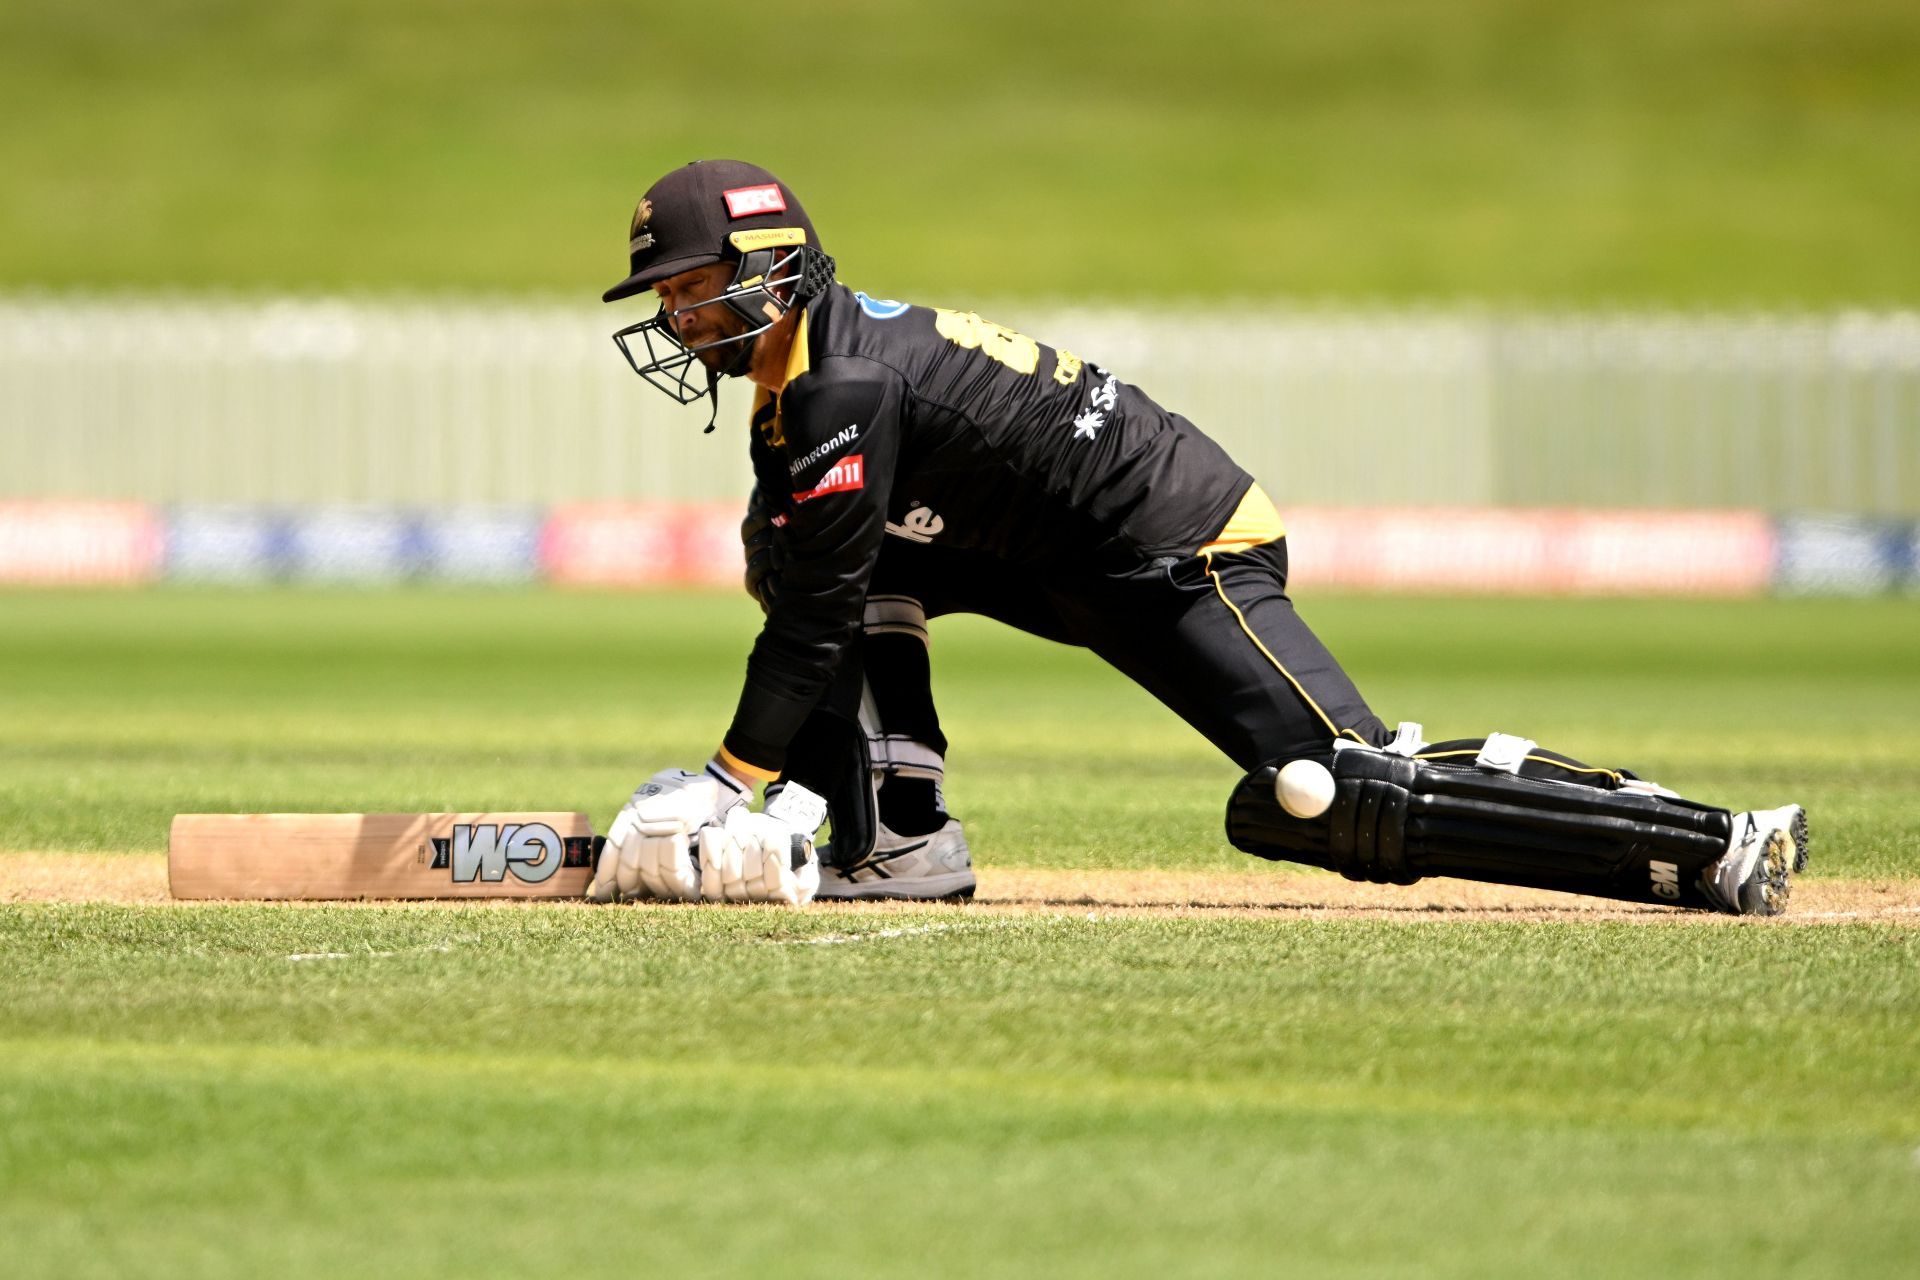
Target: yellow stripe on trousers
(1254, 523)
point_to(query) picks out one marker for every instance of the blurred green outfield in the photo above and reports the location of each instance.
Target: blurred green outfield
(297, 1090)
(235, 1090)
(1689, 151)
(215, 1091)
(124, 708)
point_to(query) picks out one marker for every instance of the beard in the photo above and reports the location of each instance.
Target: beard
(729, 361)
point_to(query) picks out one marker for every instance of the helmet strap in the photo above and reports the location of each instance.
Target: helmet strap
(742, 362)
(713, 395)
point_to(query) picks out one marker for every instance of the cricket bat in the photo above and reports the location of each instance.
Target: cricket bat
(380, 855)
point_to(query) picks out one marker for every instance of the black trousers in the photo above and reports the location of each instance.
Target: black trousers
(1214, 638)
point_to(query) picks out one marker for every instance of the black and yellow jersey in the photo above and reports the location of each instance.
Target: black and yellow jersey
(937, 426)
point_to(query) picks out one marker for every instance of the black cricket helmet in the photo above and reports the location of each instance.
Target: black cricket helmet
(717, 211)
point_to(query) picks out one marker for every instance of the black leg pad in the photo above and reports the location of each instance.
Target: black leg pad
(1394, 820)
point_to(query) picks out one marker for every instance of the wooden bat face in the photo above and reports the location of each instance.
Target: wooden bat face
(380, 855)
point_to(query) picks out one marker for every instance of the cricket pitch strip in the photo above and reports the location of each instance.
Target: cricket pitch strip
(1257, 893)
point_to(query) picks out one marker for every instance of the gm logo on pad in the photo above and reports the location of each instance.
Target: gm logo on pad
(1666, 879)
(532, 851)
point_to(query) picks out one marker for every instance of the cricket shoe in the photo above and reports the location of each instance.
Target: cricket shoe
(919, 868)
(1753, 877)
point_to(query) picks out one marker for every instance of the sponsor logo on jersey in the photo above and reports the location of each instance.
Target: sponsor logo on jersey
(1087, 425)
(880, 308)
(848, 473)
(487, 851)
(920, 524)
(748, 202)
(846, 435)
(1666, 879)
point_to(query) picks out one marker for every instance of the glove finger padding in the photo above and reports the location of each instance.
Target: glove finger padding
(776, 858)
(766, 854)
(719, 861)
(752, 857)
(648, 847)
(787, 872)
(666, 864)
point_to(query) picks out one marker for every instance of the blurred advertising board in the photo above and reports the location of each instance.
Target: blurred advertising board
(351, 545)
(227, 544)
(364, 545)
(90, 543)
(1844, 555)
(1531, 551)
(630, 545)
(643, 544)
(481, 544)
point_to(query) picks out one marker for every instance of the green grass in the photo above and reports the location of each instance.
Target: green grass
(125, 708)
(1686, 151)
(567, 1091)
(472, 1090)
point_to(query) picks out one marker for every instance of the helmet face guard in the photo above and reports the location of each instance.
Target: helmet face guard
(800, 273)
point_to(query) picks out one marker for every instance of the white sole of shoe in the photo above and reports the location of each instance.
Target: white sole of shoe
(955, 886)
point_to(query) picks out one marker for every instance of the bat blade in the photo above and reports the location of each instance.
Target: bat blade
(331, 856)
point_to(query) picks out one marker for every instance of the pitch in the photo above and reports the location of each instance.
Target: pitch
(1139, 1053)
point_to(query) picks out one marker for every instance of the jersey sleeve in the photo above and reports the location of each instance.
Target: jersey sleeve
(842, 427)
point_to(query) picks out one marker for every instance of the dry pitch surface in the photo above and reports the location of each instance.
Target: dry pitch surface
(142, 879)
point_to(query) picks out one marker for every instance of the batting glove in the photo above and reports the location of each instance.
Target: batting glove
(649, 849)
(756, 857)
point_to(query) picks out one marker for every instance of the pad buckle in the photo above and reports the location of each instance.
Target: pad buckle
(1407, 740)
(1504, 753)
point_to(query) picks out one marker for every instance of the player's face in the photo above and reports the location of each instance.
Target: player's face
(694, 324)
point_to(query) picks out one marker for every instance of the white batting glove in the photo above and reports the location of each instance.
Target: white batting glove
(756, 857)
(649, 850)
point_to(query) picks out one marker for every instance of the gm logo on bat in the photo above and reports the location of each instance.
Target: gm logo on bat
(532, 851)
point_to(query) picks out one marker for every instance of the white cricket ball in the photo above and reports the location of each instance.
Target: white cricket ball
(1304, 788)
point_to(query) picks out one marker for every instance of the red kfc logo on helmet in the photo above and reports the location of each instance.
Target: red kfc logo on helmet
(746, 202)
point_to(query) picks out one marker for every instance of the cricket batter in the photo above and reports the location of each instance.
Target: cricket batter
(912, 462)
